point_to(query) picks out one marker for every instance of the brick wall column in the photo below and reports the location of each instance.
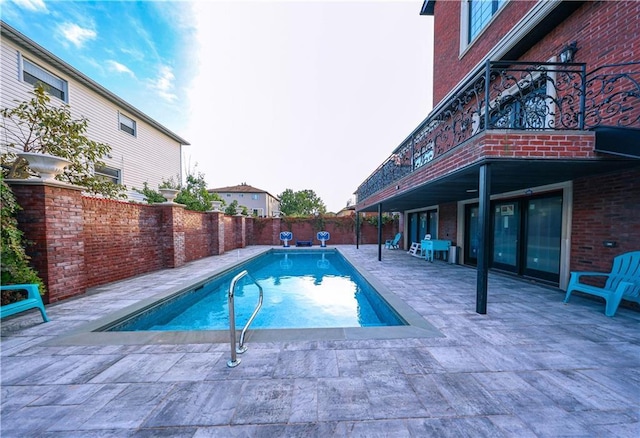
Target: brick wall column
(248, 231)
(217, 232)
(275, 233)
(52, 219)
(240, 227)
(173, 234)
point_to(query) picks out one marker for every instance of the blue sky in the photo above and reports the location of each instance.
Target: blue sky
(134, 49)
(278, 94)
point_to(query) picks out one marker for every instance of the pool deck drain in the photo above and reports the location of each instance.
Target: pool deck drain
(532, 366)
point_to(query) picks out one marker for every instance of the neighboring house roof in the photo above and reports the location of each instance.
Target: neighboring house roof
(240, 188)
(23, 41)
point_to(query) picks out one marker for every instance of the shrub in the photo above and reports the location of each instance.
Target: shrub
(15, 261)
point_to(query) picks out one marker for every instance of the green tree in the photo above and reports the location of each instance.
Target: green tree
(301, 203)
(232, 208)
(150, 195)
(15, 268)
(38, 126)
(194, 193)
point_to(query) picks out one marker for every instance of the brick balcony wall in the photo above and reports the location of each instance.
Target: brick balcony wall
(491, 145)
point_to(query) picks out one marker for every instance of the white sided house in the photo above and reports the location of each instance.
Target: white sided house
(142, 150)
(258, 202)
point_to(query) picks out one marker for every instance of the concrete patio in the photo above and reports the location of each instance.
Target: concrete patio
(532, 366)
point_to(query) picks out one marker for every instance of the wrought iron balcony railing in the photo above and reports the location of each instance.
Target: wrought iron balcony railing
(511, 95)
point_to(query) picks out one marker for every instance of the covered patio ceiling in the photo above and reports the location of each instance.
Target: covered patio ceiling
(508, 175)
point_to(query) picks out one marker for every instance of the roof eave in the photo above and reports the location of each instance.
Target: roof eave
(427, 7)
(30, 45)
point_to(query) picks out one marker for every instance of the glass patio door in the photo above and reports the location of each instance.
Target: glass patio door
(472, 245)
(525, 236)
(506, 235)
(543, 238)
(413, 227)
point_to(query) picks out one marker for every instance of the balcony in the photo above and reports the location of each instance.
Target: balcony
(503, 104)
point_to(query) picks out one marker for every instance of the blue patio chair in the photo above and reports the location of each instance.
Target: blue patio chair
(393, 243)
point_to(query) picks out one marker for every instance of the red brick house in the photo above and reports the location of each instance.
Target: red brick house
(529, 162)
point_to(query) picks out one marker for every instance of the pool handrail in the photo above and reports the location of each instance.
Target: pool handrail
(232, 319)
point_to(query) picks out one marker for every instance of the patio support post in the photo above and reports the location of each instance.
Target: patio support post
(379, 232)
(357, 229)
(484, 216)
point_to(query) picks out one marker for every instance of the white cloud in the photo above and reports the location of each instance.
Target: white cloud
(117, 67)
(32, 5)
(77, 35)
(164, 84)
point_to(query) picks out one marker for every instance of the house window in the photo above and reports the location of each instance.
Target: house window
(33, 74)
(255, 196)
(126, 124)
(480, 14)
(258, 212)
(108, 174)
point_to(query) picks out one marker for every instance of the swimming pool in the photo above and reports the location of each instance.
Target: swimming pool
(95, 332)
(302, 289)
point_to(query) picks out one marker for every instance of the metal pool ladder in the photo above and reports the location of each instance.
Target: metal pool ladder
(234, 362)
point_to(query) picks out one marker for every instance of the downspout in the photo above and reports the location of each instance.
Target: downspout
(380, 232)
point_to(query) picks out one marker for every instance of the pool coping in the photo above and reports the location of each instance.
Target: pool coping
(89, 334)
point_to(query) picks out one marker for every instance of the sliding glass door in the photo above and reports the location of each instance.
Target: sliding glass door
(543, 238)
(525, 236)
(506, 235)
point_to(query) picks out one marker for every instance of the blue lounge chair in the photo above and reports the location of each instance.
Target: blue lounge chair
(623, 282)
(393, 243)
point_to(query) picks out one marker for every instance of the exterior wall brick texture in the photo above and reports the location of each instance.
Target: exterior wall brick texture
(448, 222)
(606, 208)
(229, 233)
(121, 239)
(605, 32)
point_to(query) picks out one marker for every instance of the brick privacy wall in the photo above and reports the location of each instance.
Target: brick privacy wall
(369, 233)
(121, 239)
(51, 218)
(198, 230)
(266, 231)
(229, 233)
(604, 208)
(82, 242)
(604, 31)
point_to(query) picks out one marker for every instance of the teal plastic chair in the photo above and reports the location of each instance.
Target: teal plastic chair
(33, 301)
(393, 243)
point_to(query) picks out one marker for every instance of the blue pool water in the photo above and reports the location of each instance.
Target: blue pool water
(303, 289)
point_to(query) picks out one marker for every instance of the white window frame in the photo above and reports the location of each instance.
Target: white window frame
(41, 74)
(124, 122)
(109, 173)
(465, 23)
